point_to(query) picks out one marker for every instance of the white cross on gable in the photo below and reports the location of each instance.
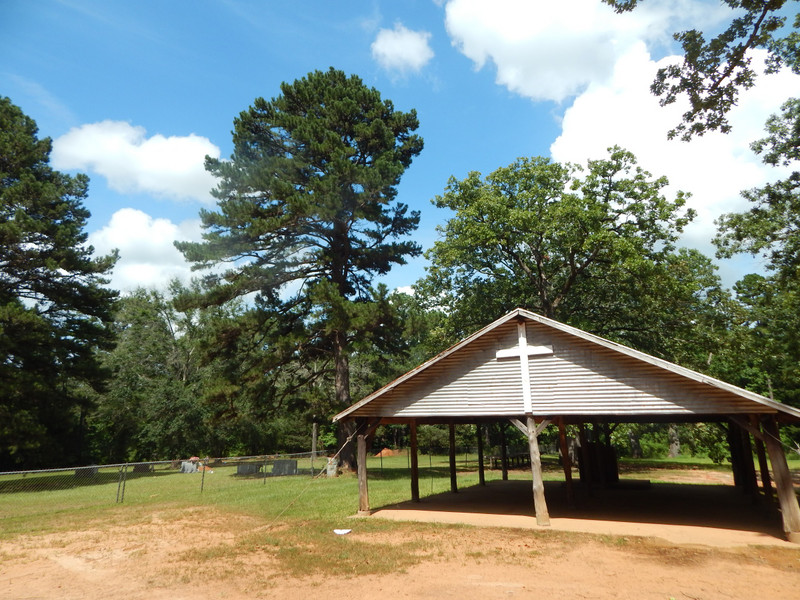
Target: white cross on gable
(516, 351)
(523, 351)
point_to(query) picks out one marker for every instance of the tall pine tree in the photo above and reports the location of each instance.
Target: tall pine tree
(54, 312)
(307, 217)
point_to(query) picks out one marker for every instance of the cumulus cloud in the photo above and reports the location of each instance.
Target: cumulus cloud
(148, 257)
(714, 168)
(554, 50)
(401, 49)
(170, 167)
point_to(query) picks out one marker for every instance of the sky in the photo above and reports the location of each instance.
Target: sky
(136, 94)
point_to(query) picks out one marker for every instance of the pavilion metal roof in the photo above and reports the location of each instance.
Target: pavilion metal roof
(565, 371)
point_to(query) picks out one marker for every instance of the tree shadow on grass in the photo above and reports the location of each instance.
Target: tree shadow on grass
(64, 480)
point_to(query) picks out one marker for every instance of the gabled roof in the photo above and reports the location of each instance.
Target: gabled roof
(577, 373)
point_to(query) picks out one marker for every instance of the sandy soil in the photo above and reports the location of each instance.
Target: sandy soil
(173, 558)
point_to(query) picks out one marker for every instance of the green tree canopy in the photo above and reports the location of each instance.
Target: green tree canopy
(772, 225)
(715, 71)
(544, 236)
(307, 216)
(54, 310)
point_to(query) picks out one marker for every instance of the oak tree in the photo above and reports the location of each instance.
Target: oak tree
(544, 236)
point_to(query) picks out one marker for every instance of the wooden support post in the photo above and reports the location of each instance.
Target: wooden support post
(763, 467)
(748, 468)
(598, 454)
(586, 460)
(790, 511)
(453, 477)
(565, 461)
(503, 451)
(734, 442)
(363, 492)
(481, 474)
(539, 503)
(414, 462)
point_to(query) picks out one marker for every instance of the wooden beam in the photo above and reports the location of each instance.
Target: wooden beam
(736, 462)
(539, 502)
(763, 466)
(481, 474)
(520, 425)
(751, 427)
(585, 466)
(749, 469)
(503, 451)
(453, 477)
(366, 429)
(361, 458)
(524, 428)
(790, 511)
(566, 462)
(414, 462)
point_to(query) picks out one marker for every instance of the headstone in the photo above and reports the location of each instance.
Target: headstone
(188, 466)
(86, 472)
(333, 467)
(247, 468)
(284, 467)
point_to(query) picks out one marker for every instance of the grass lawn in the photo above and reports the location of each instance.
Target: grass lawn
(292, 517)
(46, 502)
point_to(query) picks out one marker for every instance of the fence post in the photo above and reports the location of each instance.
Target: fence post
(123, 478)
(203, 476)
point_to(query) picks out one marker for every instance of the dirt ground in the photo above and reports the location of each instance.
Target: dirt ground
(159, 560)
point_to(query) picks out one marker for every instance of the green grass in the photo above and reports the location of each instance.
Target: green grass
(290, 518)
(48, 502)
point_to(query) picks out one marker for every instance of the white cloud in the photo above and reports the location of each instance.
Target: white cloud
(405, 289)
(714, 168)
(548, 50)
(170, 167)
(148, 257)
(401, 49)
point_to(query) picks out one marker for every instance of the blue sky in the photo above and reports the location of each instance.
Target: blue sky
(135, 94)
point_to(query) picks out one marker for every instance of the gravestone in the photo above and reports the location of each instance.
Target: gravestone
(247, 468)
(284, 467)
(188, 466)
(333, 467)
(86, 472)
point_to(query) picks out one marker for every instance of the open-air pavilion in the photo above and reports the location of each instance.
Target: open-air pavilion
(534, 371)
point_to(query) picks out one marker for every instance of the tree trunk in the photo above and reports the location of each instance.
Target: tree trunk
(633, 442)
(674, 441)
(342, 389)
(539, 502)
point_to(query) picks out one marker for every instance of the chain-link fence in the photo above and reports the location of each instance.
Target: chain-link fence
(230, 479)
(103, 484)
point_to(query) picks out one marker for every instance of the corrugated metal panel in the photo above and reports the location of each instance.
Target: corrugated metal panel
(583, 378)
(471, 382)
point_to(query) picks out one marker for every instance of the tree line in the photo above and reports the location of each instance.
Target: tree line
(284, 324)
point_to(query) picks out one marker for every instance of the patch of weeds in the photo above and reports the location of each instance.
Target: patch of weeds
(613, 540)
(310, 549)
